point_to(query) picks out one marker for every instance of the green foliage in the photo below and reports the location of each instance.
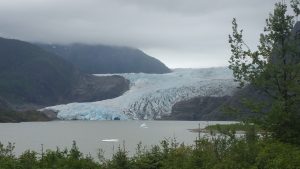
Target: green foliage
(7, 158)
(273, 68)
(148, 159)
(277, 155)
(28, 160)
(233, 127)
(208, 153)
(120, 160)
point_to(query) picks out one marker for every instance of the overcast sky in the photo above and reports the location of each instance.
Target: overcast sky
(181, 33)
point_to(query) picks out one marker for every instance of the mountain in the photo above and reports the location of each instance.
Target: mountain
(3, 104)
(200, 108)
(151, 96)
(31, 77)
(13, 116)
(100, 59)
(220, 108)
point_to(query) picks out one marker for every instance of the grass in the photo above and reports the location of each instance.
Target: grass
(237, 127)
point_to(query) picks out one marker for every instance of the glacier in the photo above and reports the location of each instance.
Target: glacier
(152, 96)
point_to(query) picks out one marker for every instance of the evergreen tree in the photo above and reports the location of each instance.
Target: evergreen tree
(274, 68)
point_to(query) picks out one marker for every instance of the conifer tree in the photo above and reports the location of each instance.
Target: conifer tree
(274, 68)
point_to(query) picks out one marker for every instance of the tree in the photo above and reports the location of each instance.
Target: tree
(273, 68)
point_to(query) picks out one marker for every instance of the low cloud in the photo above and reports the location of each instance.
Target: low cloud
(182, 33)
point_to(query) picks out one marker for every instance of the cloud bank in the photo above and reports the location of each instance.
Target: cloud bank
(181, 33)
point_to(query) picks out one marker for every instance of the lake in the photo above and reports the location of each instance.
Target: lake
(89, 134)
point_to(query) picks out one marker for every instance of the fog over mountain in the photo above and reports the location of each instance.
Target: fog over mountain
(180, 33)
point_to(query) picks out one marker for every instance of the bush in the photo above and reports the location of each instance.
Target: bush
(208, 153)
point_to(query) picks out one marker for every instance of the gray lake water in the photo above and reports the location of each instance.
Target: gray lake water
(89, 134)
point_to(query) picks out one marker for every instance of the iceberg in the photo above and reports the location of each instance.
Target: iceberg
(110, 140)
(152, 96)
(143, 126)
